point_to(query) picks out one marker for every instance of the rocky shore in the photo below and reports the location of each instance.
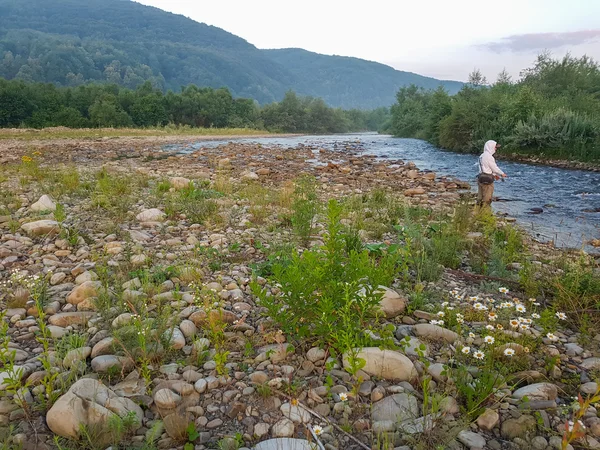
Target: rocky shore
(132, 318)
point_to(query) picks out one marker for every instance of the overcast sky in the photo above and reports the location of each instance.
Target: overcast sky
(440, 38)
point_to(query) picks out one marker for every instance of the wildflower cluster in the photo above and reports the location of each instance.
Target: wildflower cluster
(509, 313)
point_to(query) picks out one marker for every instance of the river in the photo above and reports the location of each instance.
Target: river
(569, 199)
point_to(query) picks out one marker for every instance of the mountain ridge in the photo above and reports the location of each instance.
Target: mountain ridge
(68, 42)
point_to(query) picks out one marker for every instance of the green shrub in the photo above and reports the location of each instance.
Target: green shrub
(328, 295)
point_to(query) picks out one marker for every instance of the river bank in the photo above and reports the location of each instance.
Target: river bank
(168, 283)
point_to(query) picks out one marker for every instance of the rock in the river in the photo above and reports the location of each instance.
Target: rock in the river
(537, 391)
(90, 404)
(45, 203)
(386, 364)
(41, 227)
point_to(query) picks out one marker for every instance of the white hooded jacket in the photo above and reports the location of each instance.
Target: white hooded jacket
(487, 162)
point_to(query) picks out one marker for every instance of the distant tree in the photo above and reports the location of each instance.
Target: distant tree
(477, 79)
(105, 112)
(504, 77)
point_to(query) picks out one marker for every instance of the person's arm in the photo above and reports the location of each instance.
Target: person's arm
(495, 169)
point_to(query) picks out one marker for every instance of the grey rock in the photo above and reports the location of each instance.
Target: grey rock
(284, 443)
(397, 407)
(435, 332)
(537, 391)
(471, 440)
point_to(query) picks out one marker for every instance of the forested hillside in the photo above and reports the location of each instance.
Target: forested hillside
(351, 82)
(73, 42)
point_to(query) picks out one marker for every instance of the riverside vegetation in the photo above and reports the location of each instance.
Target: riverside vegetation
(244, 297)
(553, 111)
(38, 105)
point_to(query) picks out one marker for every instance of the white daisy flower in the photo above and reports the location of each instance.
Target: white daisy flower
(509, 352)
(478, 354)
(466, 350)
(489, 339)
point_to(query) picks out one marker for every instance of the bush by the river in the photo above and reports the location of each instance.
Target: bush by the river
(553, 110)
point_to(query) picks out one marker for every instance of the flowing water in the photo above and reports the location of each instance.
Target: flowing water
(569, 200)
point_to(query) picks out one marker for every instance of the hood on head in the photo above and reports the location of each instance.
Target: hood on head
(490, 147)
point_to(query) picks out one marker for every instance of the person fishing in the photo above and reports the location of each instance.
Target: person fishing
(488, 173)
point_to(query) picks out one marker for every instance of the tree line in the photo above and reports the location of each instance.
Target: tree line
(553, 110)
(39, 105)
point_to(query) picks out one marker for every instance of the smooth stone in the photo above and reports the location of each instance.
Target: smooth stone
(386, 364)
(166, 398)
(315, 354)
(106, 363)
(76, 355)
(435, 332)
(284, 428)
(41, 227)
(397, 408)
(89, 403)
(537, 391)
(284, 444)
(471, 440)
(295, 413)
(488, 420)
(45, 203)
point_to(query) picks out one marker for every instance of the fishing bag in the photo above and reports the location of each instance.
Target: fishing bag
(484, 178)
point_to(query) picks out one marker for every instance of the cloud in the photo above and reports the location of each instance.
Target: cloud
(541, 41)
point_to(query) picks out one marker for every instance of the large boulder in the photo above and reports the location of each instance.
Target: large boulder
(45, 203)
(386, 364)
(41, 227)
(90, 405)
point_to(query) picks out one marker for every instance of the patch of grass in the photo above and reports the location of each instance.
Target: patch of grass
(94, 133)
